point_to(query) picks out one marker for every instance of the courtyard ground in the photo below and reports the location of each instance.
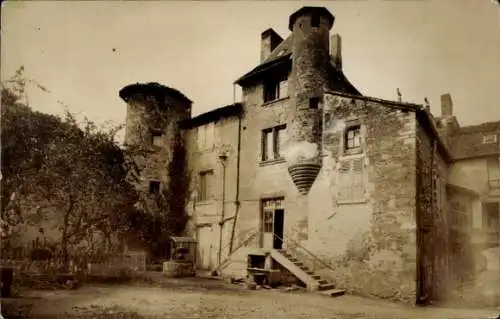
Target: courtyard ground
(203, 298)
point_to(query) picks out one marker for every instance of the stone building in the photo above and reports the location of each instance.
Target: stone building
(344, 190)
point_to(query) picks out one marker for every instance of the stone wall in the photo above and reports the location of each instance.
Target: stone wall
(370, 242)
(432, 232)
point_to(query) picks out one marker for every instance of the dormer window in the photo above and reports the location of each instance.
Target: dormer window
(276, 88)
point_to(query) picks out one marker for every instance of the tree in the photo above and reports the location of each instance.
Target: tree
(60, 173)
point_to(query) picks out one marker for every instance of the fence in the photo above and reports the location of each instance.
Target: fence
(31, 260)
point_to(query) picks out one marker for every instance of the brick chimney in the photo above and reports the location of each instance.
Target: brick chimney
(336, 50)
(446, 105)
(269, 41)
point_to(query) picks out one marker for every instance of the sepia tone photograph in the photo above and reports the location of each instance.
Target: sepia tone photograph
(250, 159)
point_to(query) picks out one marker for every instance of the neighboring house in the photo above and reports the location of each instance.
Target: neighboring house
(384, 193)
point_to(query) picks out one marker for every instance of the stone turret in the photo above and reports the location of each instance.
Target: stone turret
(153, 114)
(309, 78)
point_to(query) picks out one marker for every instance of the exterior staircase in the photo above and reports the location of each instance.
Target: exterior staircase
(313, 281)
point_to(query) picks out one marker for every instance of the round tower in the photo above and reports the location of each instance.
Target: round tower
(153, 114)
(309, 78)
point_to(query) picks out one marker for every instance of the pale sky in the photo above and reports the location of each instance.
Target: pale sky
(424, 48)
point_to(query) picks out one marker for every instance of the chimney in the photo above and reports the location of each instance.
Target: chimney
(446, 105)
(336, 50)
(269, 41)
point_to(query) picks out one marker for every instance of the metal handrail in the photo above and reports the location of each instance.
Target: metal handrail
(244, 242)
(307, 251)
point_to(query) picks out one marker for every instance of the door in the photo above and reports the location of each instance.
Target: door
(206, 251)
(272, 224)
(279, 215)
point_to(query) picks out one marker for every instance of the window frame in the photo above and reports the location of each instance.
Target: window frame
(346, 149)
(275, 149)
(204, 185)
(272, 88)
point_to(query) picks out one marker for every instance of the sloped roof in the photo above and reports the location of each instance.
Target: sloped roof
(212, 116)
(468, 141)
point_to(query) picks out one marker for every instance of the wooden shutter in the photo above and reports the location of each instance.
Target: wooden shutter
(350, 180)
(344, 182)
(357, 187)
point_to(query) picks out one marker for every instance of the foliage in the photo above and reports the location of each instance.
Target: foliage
(61, 172)
(166, 214)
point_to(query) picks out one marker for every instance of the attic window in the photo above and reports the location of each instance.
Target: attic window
(276, 88)
(313, 103)
(488, 139)
(315, 21)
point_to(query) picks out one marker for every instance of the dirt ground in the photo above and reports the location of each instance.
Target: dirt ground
(203, 298)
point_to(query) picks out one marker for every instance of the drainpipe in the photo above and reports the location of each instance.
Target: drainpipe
(222, 158)
(237, 200)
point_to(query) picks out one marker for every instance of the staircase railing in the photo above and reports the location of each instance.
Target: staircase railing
(314, 257)
(253, 233)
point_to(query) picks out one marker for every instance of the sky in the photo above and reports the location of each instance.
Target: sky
(85, 52)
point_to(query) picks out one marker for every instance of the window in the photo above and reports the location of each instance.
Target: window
(267, 222)
(350, 180)
(156, 136)
(205, 191)
(205, 136)
(272, 143)
(276, 88)
(491, 220)
(315, 21)
(154, 187)
(493, 163)
(488, 139)
(352, 138)
(268, 208)
(313, 103)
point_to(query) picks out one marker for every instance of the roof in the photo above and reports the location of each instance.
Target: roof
(213, 115)
(155, 89)
(265, 66)
(308, 11)
(462, 190)
(468, 141)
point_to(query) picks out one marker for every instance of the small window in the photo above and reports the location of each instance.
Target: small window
(315, 21)
(488, 139)
(205, 191)
(276, 88)
(352, 138)
(156, 136)
(313, 103)
(154, 187)
(272, 143)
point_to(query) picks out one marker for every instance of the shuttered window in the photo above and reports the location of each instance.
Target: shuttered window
(350, 180)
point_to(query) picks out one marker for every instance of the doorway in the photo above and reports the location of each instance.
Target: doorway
(272, 223)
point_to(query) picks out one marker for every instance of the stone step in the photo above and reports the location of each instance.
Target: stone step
(333, 292)
(323, 287)
(322, 281)
(316, 277)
